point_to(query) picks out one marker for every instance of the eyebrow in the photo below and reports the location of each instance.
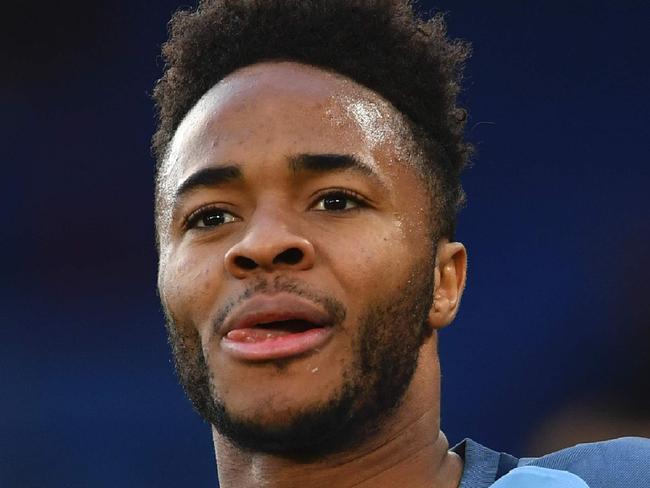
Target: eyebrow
(209, 177)
(329, 163)
(324, 163)
(302, 163)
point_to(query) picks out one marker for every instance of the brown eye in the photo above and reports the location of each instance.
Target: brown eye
(211, 217)
(337, 201)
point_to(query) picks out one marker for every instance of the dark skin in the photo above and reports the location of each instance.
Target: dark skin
(260, 119)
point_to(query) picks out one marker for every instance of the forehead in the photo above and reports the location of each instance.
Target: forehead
(286, 106)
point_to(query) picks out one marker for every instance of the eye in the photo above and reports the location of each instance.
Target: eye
(338, 201)
(210, 217)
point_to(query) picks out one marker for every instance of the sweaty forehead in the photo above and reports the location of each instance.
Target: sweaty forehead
(276, 101)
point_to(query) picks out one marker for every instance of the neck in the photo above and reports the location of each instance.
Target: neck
(406, 460)
(410, 451)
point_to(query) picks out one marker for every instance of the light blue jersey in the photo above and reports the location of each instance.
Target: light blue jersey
(619, 463)
(535, 477)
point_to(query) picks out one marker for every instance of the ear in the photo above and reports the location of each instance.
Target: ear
(450, 274)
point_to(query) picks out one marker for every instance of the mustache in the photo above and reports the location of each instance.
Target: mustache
(334, 308)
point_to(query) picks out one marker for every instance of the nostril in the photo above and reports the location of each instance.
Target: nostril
(290, 256)
(245, 263)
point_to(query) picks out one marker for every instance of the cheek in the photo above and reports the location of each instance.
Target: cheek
(372, 261)
(189, 284)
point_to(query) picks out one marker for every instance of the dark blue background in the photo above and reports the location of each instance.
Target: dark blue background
(556, 227)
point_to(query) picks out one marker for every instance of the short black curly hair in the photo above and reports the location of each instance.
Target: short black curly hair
(381, 44)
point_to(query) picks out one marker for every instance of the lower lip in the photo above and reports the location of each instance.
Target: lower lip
(278, 347)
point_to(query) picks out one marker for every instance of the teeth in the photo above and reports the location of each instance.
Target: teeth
(290, 325)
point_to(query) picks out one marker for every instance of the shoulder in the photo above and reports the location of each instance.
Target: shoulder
(617, 463)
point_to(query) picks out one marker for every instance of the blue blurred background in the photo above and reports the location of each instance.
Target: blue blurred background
(550, 347)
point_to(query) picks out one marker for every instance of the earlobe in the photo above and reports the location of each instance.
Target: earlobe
(449, 275)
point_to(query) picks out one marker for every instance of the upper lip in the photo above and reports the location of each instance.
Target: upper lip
(262, 309)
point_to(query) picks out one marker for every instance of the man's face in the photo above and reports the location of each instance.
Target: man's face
(296, 257)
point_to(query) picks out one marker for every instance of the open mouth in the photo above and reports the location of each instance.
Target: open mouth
(279, 326)
(271, 330)
(280, 339)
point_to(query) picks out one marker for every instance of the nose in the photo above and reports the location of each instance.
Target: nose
(269, 245)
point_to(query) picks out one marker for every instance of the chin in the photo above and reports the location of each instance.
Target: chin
(271, 416)
(279, 403)
(286, 387)
(299, 428)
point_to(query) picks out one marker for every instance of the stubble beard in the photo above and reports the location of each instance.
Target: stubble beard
(385, 354)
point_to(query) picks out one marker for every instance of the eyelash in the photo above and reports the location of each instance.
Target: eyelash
(349, 194)
(192, 219)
